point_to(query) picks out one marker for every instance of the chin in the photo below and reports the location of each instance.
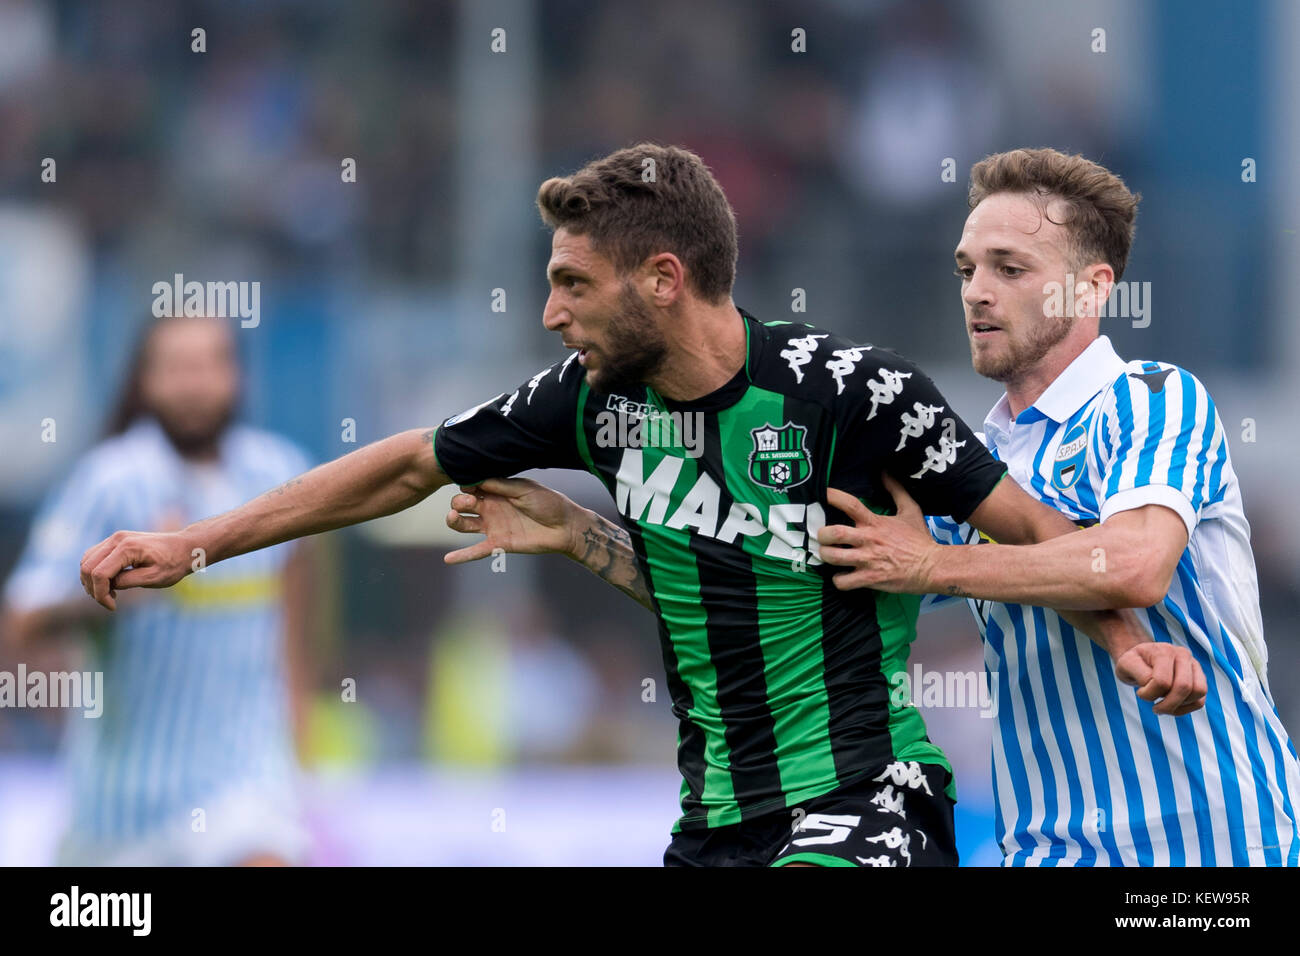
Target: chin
(599, 383)
(594, 378)
(996, 368)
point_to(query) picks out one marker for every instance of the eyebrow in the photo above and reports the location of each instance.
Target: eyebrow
(554, 273)
(996, 253)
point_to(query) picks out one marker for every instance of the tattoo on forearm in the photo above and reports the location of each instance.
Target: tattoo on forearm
(956, 591)
(286, 486)
(607, 551)
(428, 435)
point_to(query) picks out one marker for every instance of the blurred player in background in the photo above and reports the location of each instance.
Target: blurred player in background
(778, 679)
(192, 760)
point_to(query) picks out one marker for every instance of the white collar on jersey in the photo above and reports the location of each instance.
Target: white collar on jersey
(1092, 370)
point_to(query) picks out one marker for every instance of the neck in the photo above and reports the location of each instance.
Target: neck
(205, 455)
(196, 451)
(1025, 389)
(706, 351)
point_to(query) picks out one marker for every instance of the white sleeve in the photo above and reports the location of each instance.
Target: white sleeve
(1160, 441)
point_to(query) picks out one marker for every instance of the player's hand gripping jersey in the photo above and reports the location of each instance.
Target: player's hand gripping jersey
(779, 680)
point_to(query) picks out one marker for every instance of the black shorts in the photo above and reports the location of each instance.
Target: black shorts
(899, 817)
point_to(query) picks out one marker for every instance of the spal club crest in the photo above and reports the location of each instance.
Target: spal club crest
(780, 459)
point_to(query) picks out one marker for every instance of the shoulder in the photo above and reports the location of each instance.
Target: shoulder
(1145, 386)
(118, 460)
(547, 396)
(823, 366)
(559, 382)
(565, 375)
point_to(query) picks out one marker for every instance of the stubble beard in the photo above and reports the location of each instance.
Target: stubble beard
(1021, 356)
(196, 440)
(635, 349)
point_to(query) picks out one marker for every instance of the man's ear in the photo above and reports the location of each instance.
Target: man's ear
(1099, 279)
(668, 279)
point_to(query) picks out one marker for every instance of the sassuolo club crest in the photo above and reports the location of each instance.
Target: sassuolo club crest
(779, 459)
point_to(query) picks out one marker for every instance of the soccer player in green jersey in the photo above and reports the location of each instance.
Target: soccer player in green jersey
(717, 436)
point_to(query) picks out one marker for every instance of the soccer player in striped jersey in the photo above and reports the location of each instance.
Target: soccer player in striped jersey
(1134, 452)
(192, 760)
(717, 436)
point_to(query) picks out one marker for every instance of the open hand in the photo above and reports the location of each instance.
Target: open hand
(517, 515)
(888, 553)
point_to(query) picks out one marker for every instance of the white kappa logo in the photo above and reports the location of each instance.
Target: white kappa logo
(909, 774)
(799, 353)
(915, 425)
(887, 801)
(895, 839)
(565, 367)
(535, 381)
(883, 392)
(938, 460)
(844, 362)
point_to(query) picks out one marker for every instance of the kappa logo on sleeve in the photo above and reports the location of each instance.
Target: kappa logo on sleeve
(799, 353)
(471, 412)
(844, 362)
(565, 367)
(915, 425)
(938, 459)
(535, 381)
(884, 391)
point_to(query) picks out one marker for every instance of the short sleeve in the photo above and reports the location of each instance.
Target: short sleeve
(896, 420)
(533, 426)
(1159, 441)
(77, 514)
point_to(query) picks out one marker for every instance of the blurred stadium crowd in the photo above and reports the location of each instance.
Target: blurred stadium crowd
(376, 295)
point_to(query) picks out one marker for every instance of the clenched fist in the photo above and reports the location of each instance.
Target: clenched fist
(1165, 674)
(137, 559)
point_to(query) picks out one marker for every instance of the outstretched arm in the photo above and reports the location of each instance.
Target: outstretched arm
(520, 516)
(380, 479)
(1040, 557)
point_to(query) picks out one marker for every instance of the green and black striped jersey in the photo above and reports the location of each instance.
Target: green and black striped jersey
(780, 681)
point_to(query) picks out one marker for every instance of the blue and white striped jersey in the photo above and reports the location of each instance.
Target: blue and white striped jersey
(1083, 771)
(195, 698)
